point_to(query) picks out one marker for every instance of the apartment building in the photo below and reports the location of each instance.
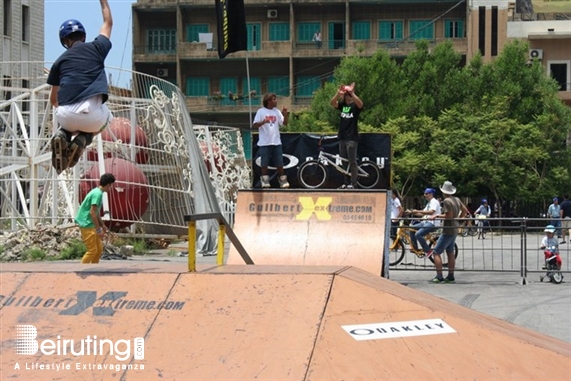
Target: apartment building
(22, 25)
(176, 40)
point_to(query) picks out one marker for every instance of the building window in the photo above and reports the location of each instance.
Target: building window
(454, 29)
(197, 86)
(390, 30)
(307, 85)
(254, 36)
(482, 30)
(494, 33)
(560, 72)
(279, 31)
(361, 30)
(25, 23)
(161, 41)
(306, 30)
(8, 18)
(193, 30)
(421, 29)
(7, 83)
(279, 86)
(255, 86)
(228, 85)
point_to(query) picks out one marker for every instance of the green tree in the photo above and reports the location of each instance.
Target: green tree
(496, 128)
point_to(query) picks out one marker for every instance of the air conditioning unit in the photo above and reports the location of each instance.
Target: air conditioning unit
(272, 13)
(162, 73)
(536, 53)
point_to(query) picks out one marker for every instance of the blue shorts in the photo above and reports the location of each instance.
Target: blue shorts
(445, 243)
(271, 153)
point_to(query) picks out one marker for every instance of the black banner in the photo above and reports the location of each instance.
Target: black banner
(232, 33)
(297, 148)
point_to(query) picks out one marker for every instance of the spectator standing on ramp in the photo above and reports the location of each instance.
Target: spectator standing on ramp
(565, 218)
(79, 89)
(89, 219)
(452, 208)
(268, 121)
(350, 106)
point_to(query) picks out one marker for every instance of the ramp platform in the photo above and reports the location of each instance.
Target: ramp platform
(251, 322)
(306, 227)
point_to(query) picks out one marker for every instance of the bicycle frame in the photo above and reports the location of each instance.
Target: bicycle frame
(402, 235)
(328, 158)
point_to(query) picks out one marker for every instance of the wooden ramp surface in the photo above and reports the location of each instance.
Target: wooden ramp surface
(256, 322)
(293, 227)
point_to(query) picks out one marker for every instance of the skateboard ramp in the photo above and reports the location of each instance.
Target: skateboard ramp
(301, 227)
(157, 321)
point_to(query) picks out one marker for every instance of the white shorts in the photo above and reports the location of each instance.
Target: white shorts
(89, 115)
(566, 223)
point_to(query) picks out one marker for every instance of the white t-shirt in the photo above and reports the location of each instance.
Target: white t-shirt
(269, 132)
(395, 205)
(433, 204)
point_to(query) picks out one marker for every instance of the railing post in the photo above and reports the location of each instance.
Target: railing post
(523, 260)
(192, 246)
(221, 237)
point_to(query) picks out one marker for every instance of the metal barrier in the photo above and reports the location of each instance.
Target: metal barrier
(509, 245)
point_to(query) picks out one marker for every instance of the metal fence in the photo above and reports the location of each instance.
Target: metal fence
(510, 245)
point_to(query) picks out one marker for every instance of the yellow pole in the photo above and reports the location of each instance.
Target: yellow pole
(192, 246)
(221, 236)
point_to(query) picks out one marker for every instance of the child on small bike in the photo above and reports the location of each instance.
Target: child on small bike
(550, 242)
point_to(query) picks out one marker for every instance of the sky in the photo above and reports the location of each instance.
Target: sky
(88, 12)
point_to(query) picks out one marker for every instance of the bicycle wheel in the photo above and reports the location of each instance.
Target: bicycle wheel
(556, 277)
(444, 255)
(312, 174)
(372, 178)
(469, 231)
(396, 254)
(472, 231)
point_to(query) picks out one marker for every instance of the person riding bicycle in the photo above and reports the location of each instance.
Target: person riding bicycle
(549, 241)
(482, 213)
(426, 226)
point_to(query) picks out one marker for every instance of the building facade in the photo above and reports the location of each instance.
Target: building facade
(176, 40)
(22, 24)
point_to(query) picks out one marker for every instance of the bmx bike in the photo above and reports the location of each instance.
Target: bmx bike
(314, 173)
(467, 228)
(397, 247)
(553, 273)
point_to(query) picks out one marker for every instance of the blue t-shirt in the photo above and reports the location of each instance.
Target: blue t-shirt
(80, 71)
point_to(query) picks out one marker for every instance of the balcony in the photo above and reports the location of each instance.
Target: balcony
(209, 105)
(144, 54)
(404, 48)
(196, 50)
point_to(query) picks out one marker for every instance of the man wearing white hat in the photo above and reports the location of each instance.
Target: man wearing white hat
(452, 207)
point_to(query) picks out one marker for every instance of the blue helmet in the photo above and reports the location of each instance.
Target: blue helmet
(484, 201)
(68, 27)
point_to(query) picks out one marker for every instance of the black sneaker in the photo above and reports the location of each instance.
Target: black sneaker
(437, 280)
(449, 279)
(562, 242)
(60, 145)
(76, 148)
